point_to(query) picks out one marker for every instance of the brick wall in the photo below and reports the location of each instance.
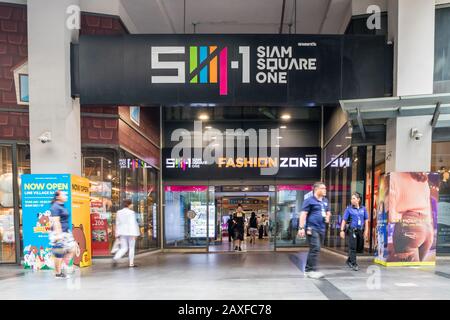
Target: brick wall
(149, 121)
(94, 130)
(13, 49)
(13, 53)
(137, 144)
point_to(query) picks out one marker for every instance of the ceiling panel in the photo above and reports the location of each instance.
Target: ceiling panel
(235, 16)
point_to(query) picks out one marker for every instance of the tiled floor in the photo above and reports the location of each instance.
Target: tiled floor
(250, 275)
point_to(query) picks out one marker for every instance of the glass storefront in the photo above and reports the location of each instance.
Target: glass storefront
(186, 218)
(115, 176)
(355, 170)
(440, 162)
(12, 157)
(186, 222)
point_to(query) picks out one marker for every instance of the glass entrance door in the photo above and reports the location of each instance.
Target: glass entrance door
(289, 203)
(186, 216)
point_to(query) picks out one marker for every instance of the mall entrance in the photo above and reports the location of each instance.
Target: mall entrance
(196, 216)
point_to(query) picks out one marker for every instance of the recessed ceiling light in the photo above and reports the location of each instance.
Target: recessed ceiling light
(280, 137)
(283, 127)
(339, 146)
(208, 127)
(286, 116)
(203, 116)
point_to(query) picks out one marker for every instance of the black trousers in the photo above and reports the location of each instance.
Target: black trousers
(315, 241)
(355, 239)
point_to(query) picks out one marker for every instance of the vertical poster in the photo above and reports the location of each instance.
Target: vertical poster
(81, 224)
(407, 219)
(100, 212)
(37, 193)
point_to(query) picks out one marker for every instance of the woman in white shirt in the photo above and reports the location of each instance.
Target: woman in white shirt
(127, 229)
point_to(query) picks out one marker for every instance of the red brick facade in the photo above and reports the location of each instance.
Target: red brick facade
(115, 130)
(13, 49)
(13, 53)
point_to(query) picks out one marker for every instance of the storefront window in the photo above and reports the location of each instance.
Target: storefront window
(7, 234)
(23, 167)
(346, 174)
(141, 186)
(185, 216)
(113, 179)
(440, 162)
(100, 167)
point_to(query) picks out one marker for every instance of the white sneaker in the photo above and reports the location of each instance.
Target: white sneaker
(314, 275)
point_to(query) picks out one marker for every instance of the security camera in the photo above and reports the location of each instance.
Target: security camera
(415, 134)
(45, 137)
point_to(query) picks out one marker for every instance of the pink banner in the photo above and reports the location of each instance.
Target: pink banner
(185, 188)
(296, 187)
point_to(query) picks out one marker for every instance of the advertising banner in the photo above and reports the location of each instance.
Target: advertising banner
(407, 215)
(100, 211)
(81, 224)
(37, 193)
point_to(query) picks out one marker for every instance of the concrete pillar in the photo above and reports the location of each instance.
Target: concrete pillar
(404, 153)
(51, 107)
(411, 28)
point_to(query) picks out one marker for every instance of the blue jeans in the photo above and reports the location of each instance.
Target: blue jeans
(315, 240)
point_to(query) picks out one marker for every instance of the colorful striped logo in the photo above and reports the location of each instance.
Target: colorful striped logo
(208, 64)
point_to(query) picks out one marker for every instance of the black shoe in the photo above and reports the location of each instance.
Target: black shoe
(60, 276)
(235, 248)
(114, 263)
(240, 249)
(355, 267)
(350, 265)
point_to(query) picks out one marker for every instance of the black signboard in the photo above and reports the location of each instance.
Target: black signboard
(209, 70)
(294, 163)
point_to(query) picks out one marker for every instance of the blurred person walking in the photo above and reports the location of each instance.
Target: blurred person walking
(127, 229)
(61, 239)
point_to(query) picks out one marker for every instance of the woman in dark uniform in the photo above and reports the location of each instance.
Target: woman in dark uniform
(356, 218)
(238, 229)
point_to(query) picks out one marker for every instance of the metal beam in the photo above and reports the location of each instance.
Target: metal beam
(361, 125)
(282, 17)
(325, 16)
(437, 113)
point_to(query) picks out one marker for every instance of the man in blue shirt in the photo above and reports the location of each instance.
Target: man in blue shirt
(315, 213)
(357, 219)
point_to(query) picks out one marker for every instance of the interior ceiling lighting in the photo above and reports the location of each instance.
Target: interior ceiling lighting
(286, 116)
(283, 127)
(203, 116)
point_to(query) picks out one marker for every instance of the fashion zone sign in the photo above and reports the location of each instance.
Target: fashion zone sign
(207, 70)
(235, 153)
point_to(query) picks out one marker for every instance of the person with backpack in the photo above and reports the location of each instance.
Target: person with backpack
(356, 219)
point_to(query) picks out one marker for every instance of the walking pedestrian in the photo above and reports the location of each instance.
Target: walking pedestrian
(61, 239)
(253, 227)
(238, 228)
(313, 217)
(357, 221)
(127, 229)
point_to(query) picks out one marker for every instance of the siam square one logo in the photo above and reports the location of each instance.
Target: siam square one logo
(211, 65)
